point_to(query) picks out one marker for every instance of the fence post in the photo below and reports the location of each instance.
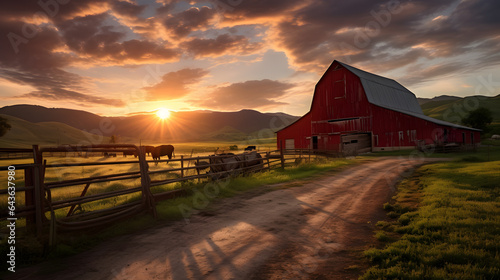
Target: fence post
(182, 166)
(198, 170)
(29, 197)
(267, 159)
(282, 159)
(147, 196)
(39, 193)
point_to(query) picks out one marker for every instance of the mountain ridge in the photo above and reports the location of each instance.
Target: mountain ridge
(180, 126)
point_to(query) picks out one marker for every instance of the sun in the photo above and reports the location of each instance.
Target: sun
(163, 113)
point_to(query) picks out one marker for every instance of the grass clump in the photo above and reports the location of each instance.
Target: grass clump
(454, 232)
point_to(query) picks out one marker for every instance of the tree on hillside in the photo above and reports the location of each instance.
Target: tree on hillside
(479, 118)
(113, 139)
(4, 126)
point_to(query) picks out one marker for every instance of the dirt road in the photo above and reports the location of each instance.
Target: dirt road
(309, 231)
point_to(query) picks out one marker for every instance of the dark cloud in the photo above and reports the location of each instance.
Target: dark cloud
(37, 63)
(52, 9)
(389, 35)
(183, 23)
(175, 85)
(91, 37)
(127, 9)
(420, 73)
(242, 10)
(73, 96)
(221, 45)
(249, 94)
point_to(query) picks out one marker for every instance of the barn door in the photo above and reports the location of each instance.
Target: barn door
(354, 144)
(315, 142)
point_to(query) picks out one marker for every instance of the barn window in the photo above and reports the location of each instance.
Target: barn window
(290, 144)
(339, 90)
(401, 135)
(463, 137)
(413, 135)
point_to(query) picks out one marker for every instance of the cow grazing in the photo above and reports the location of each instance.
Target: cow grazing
(250, 148)
(131, 153)
(149, 149)
(163, 150)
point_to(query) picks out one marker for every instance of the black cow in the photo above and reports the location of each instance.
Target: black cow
(163, 150)
(250, 148)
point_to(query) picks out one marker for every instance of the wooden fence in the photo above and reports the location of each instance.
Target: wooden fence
(42, 208)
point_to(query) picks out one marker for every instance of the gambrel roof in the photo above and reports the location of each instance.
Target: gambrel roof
(389, 94)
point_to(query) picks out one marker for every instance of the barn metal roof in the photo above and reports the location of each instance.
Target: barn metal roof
(388, 93)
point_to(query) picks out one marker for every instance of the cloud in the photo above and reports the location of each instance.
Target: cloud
(183, 23)
(89, 36)
(250, 94)
(175, 85)
(39, 64)
(386, 36)
(246, 11)
(127, 9)
(73, 96)
(420, 73)
(423, 40)
(221, 45)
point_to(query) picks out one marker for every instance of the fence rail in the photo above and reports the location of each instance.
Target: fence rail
(42, 193)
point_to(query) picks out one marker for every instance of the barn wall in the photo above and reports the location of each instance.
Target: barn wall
(299, 131)
(339, 95)
(397, 129)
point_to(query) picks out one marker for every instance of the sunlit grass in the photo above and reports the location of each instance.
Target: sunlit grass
(454, 232)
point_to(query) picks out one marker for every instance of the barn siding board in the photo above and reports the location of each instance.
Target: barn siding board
(348, 101)
(300, 131)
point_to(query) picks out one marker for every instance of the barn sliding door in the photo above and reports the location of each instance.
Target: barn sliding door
(354, 144)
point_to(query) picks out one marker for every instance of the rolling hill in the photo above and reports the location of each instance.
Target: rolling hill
(454, 109)
(25, 134)
(180, 126)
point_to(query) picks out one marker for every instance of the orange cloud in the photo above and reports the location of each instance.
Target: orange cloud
(175, 85)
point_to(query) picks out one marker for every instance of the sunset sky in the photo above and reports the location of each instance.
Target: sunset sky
(123, 57)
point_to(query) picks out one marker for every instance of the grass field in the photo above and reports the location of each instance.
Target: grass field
(446, 224)
(30, 251)
(68, 173)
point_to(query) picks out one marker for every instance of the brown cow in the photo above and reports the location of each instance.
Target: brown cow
(149, 149)
(163, 150)
(130, 153)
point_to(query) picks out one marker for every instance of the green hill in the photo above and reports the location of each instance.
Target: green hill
(454, 110)
(25, 134)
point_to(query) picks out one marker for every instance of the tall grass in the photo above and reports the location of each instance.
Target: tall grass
(454, 234)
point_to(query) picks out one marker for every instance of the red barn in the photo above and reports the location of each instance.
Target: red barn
(356, 111)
